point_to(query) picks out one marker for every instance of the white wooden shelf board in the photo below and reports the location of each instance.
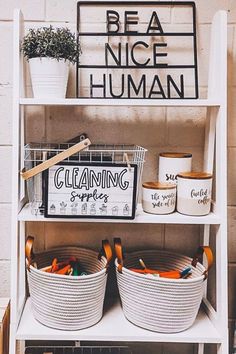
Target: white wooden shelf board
(115, 327)
(141, 218)
(121, 102)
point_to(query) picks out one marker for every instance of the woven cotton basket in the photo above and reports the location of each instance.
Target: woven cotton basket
(68, 302)
(160, 304)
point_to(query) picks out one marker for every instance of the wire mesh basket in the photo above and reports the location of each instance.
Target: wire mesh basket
(78, 350)
(36, 153)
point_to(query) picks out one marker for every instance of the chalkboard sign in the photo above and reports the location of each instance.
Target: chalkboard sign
(94, 190)
(137, 50)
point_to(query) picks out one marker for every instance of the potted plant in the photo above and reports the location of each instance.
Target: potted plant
(49, 52)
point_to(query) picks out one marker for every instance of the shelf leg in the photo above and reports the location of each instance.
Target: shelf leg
(22, 193)
(206, 235)
(206, 241)
(20, 347)
(222, 348)
(222, 286)
(210, 133)
(22, 279)
(12, 340)
(200, 348)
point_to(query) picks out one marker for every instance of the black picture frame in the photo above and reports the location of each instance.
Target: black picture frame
(193, 34)
(92, 164)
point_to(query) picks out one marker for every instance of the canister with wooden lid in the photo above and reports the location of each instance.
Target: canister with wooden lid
(172, 163)
(159, 198)
(194, 193)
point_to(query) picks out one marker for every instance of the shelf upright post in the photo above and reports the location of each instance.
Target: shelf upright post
(221, 182)
(216, 141)
(17, 228)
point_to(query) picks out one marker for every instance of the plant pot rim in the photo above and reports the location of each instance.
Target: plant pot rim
(50, 58)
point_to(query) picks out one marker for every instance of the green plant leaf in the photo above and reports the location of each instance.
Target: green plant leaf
(58, 43)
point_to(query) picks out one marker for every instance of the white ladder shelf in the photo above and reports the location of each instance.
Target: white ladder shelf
(211, 326)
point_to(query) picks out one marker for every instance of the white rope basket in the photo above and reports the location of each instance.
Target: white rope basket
(156, 303)
(68, 302)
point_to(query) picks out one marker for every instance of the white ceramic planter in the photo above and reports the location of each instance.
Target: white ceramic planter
(49, 77)
(159, 198)
(172, 163)
(194, 193)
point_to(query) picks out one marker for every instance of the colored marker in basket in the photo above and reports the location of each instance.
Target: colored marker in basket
(173, 274)
(71, 267)
(186, 272)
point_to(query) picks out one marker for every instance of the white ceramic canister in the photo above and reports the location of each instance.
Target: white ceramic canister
(159, 198)
(194, 193)
(172, 163)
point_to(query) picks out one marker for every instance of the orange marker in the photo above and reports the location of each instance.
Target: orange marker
(54, 266)
(173, 274)
(46, 269)
(144, 271)
(64, 270)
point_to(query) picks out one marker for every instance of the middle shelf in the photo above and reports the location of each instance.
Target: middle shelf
(141, 218)
(114, 327)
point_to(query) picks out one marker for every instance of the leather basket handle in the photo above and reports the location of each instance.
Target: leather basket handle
(29, 254)
(198, 257)
(119, 253)
(106, 251)
(55, 159)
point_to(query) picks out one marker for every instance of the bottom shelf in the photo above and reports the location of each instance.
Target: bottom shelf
(114, 327)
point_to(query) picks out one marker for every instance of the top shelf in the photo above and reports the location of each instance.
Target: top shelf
(120, 102)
